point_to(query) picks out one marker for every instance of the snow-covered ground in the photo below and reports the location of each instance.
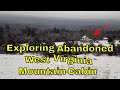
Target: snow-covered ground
(108, 67)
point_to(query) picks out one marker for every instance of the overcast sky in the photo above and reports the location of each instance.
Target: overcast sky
(68, 14)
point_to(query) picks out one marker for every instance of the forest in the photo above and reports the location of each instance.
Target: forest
(34, 35)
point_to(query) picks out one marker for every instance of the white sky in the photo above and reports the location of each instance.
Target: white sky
(68, 14)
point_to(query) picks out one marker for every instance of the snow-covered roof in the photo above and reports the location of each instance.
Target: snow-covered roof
(84, 36)
(105, 38)
(59, 43)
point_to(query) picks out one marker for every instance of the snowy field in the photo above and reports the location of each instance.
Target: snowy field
(108, 67)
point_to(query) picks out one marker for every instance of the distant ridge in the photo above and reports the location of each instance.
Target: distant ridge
(13, 19)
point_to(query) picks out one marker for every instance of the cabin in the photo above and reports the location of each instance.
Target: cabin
(86, 39)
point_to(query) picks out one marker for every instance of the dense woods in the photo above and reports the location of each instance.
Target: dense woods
(18, 34)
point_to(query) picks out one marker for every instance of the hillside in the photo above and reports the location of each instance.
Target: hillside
(107, 67)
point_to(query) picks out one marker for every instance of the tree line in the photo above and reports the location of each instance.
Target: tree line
(17, 34)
